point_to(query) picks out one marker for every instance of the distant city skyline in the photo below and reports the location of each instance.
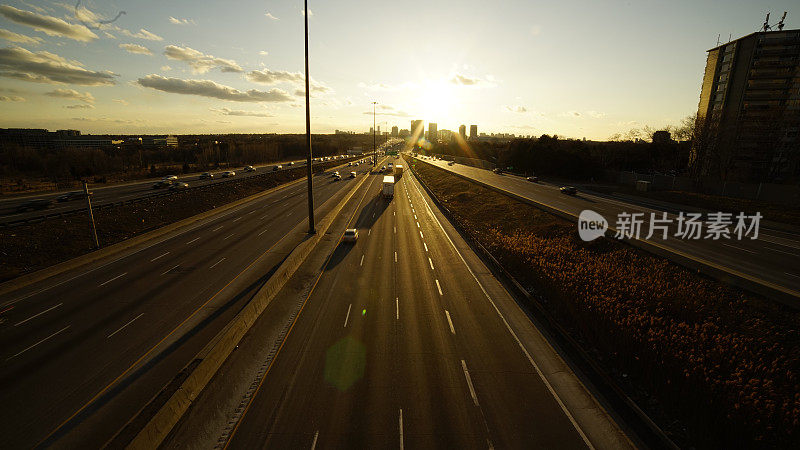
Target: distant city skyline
(576, 69)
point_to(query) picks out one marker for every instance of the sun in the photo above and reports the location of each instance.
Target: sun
(438, 102)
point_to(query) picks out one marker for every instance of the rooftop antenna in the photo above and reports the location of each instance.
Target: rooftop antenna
(780, 24)
(766, 26)
(718, 36)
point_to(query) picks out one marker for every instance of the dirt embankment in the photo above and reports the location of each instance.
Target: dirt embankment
(722, 362)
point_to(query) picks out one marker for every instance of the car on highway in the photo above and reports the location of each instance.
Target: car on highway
(337, 177)
(249, 169)
(228, 174)
(350, 235)
(350, 164)
(451, 163)
(69, 196)
(569, 190)
(170, 178)
(383, 168)
(207, 176)
(498, 171)
(179, 186)
(352, 174)
(163, 183)
(335, 174)
(533, 179)
(35, 204)
(277, 168)
(291, 163)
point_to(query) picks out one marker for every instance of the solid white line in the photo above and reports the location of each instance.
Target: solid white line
(237, 218)
(510, 330)
(120, 329)
(347, 316)
(109, 281)
(37, 315)
(169, 270)
(193, 240)
(215, 229)
(431, 261)
(452, 330)
(314, 444)
(781, 251)
(362, 261)
(397, 308)
(226, 237)
(395, 256)
(439, 287)
(223, 259)
(400, 425)
(34, 345)
(469, 382)
(165, 254)
(426, 246)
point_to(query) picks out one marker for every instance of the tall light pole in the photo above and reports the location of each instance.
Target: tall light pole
(309, 171)
(374, 150)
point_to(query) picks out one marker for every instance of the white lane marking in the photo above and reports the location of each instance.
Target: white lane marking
(393, 213)
(348, 315)
(369, 231)
(157, 257)
(226, 237)
(265, 230)
(362, 261)
(400, 425)
(449, 321)
(193, 240)
(120, 328)
(510, 330)
(426, 246)
(421, 235)
(216, 229)
(395, 230)
(373, 215)
(34, 345)
(264, 217)
(415, 216)
(792, 274)
(37, 315)
(109, 281)
(431, 262)
(237, 218)
(170, 270)
(781, 251)
(469, 382)
(251, 212)
(314, 443)
(439, 287)
(395, 256)
(223, 259)
(738, 248)
(417, 224)
(397, 308)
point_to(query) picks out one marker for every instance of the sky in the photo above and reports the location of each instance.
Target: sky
(576, 68)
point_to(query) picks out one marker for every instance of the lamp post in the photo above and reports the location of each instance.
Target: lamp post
(309, 159)
(374, 150)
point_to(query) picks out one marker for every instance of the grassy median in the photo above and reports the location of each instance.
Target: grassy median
(719, 360)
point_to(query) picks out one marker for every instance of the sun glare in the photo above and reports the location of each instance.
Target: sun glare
(438, 102)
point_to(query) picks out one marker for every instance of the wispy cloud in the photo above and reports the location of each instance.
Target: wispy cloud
(516, 109)
(141, 34)
(71, 94)
(46, 67)
(199, 62)
(52, 26)
(79, 106)
(267, 76)
(121, 101)
(208, 88)
(388, 110)
(263, 53)
(465, 80)
(240, 112)
(136, 49)
(11, 98)
(19, 38)
(175, 21)
(270, 16)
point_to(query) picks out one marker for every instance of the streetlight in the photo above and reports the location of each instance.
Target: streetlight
(374, 150)
(309, 171)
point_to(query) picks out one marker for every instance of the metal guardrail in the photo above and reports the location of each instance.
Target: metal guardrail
(647, 430)
(107, 205)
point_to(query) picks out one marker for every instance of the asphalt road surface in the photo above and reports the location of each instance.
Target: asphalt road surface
(83, 351)
(400, 345)
(772, 259)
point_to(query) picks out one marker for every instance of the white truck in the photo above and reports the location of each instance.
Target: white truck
(398, 171)
(388, 186)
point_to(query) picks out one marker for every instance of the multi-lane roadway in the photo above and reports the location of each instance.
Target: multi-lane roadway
(773, 259)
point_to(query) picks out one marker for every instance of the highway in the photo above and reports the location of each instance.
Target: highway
(772, 259)
(406, 340)
(85, 350)
(120, 192)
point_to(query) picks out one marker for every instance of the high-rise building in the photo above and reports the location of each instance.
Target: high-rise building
(749, 109)
(417, 128)
(462, 130)
(394, 131)
(433, 132)
(473, 132)
(379, 129)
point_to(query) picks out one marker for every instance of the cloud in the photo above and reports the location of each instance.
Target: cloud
(175, 21)
(387, 87)
(71, 94)
(310, 13)
(166, 68)
(121, 101)
(46, 67)
(516, 109)
(464, 80)
(270, 16)
(208, 88)
(267, 76)
(109, 35)
(141, 34)
(49, 25)
(199, 62)
(240, 112)
(388, 110)
(11, 98)
(578, 114)
(79, 107)
(596, 114)
(263, 53)
(20, 38)
(136, 49)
